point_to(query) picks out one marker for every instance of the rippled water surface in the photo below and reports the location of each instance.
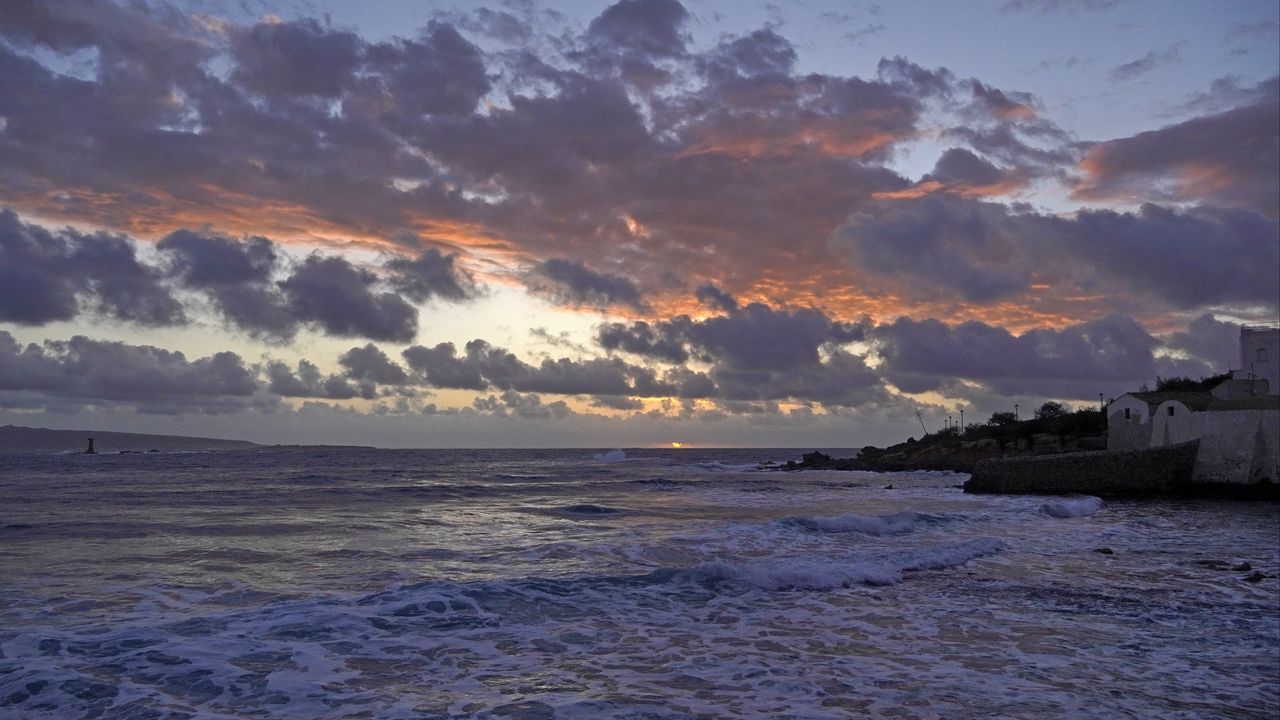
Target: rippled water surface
(544, 584)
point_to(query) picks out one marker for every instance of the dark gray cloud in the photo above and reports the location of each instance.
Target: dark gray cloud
(482, 366)
(657, 342)
(633, 38)
(372, 364)
(340, 298)
(985, 251)
(1230, 158)
(650, 27)
(438, 73)
(528, 406)
(308, 382)
(237, 276)
(567, 282)
(758, 54)
(716, 298)
(45, 275)
(1207, 339)
(294, 58)
(756, 353)
(431, 274)
(146, 378)
(1092, 357)
(442, 368)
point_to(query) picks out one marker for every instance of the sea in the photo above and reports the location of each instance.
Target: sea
(416, 584)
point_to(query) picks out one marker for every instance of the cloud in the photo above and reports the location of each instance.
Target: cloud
(658, 342)
(1113, 354)
(431, 274)
(44, 276)
(149, 379)
(567, 282)
(1137, 68)
(1050, 6)
(442, 368)
(528, 406)
(372, 364)
(756, 352)
(237, 276)
(340, 299)
(437, 73)
(294, 58)
(716, 298)
(308, 382)
(1229, 158)
(1210, 340)
(986, 252)
(634, 37)
(923, 355)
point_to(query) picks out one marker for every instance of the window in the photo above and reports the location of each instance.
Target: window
(1262, 354)
(1126, 413)
(1170, 411)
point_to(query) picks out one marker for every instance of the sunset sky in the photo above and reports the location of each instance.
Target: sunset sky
(583, 224)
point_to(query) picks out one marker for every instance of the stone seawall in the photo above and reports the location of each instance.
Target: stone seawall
(1151, 471)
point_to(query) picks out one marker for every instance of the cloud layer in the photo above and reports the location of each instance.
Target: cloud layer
(739, 229)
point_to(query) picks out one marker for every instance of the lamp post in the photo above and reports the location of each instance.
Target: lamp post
(1015, 411)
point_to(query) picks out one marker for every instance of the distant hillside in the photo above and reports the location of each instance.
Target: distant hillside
(14, 438)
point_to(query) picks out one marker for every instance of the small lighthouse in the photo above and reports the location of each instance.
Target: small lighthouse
(89, 450)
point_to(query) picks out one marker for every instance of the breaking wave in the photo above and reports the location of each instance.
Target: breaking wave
(1073, 507)
(793, 574)
(893, 524)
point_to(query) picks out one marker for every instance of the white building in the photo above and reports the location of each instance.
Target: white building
(1237, 422)
(1260, 355)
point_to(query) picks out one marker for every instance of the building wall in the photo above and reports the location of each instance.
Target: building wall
(1265, 365)
(1181, 426)
(1133, 433)
(1239, 446)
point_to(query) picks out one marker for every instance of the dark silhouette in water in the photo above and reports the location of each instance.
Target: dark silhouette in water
(89, 450)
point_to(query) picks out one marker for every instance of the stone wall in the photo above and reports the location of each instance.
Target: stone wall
(1152, 471)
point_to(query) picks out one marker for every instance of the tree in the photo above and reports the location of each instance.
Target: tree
(1000, 419)
(1051, 409)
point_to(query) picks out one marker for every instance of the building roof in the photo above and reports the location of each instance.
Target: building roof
(1261, 402)
(1196, 400)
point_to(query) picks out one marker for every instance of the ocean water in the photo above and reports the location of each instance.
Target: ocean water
(296, 583)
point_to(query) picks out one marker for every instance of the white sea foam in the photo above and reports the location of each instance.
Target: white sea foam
(611, 456)
(1072, 507)
(894, 524)
(717, 466)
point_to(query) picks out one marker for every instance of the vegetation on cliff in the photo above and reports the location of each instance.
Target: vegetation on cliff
(1054, 428)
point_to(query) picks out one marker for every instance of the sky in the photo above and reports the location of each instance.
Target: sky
(629, 224)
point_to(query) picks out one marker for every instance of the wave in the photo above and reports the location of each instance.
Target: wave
(826, 575)
(1073, 507)
(894, 524)
(611, 456)
(717, 466)
(589, 509)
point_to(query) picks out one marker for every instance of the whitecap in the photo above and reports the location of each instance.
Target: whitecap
(1072, 507)
(894, 524)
